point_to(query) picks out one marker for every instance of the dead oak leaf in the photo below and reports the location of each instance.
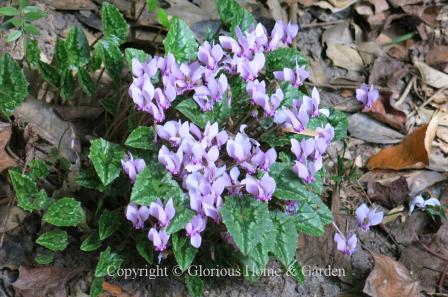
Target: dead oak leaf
(390, 278)
(43, 281)
(383, 111)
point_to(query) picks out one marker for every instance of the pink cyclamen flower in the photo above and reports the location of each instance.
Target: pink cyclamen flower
(264, 160)
(163, 214)
(210, 56)
(194, 228)
(346, 246)
(421, 203)
(249, 70)
(256, 90)
(326, 133)
(296, 77)
(367, 217)
(137, 215)
(159, 239)
(132, 167)
(174, 132)
(291, 31)
(239, 148)
(171, 160)
(312, 103)
(295, 118)
(291, 207)
(308, 169)
(270, 104)
(262, 189)
(276, 37)
(303, 149)
(367, 96)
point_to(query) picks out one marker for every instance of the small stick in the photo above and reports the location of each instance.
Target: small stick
(406, 91)
(323, 24)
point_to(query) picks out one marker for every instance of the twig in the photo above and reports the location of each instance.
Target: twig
(442, 279)
(426, 248)
(406, 92)
(429, 100)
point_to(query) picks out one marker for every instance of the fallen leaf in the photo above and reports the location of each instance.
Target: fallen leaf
(383, 111)
(431, 76)
(338, 34)
(427, 14)
(363, 127)
(5, 160)
(318, 75)
(394, 214)
(277, 12)
(390, 195)
(388, 71)
(72, 5)
(114, 290)
(43, 281)
(14, 218)
(411, 153)
(390, 278)
(437, 55)
(380, 5)
(345, 56)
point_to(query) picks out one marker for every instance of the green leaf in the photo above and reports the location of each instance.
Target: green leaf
(220, 113)
(339, 122)
(145, 248)
(108, 223)
(86, 82)
(114, 24)
(88, 178)
(106, 158)
(295, 270)
(162, 18)
(96, 288)
(194, 285)
(60, 57)
(180, 41)
(65, 212)
(284, 57)
(68, 84)
(28, 196)
(286, 239)
(13, 36)
(49, 73)
(233, 15)
(30, 29)
(183, 251)
(112, 58)
(77, 47)
(133, 53)
(142, 138)
(32, 52)
(182, 217)
(44, 259)
(312, 216)
(38, 169)
(32, 13)
(9, 11)
(152, 5)
(13, 85)
(108, 263)
(91, 243)
(153, 183)
(246, 220)
(55, 240)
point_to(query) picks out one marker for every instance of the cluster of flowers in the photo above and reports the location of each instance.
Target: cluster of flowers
(194, 156)
(365, 217)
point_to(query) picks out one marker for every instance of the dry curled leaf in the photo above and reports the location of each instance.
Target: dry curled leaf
(5, 160)
(411, 153)
(345, 56)
(389, 195)
(383, 111)
(390, 278)
(431, 76)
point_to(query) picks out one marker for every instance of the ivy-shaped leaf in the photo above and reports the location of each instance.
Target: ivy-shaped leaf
(60, 58)
(86, 82)
(96, 288)
(65, 212)
(28, 196)
(145, 248)
(220, 113)
(284, 57)
(108, 263)
(194, 285)
(68, 84)
(77, 48)
(183, 251)
(49, 73)
(44, 259)
(112, 58)
(152, 183)
(38, 169)
(91, 243)
(55, 240)
(13, 85)
(182, 217)
(312, 216)
(106, 158)
(180, 41)
(114, 24)
(246, 220)
(108, 223)
(233, 15)
(295, 271)
(285, 239)
(32, 52)
(142, 138)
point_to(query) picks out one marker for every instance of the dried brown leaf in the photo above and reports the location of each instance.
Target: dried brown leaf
(389, 195)
(437, 55)
(431, 76)
(390, 278)
(383, 111)
(345, 56)
(5, 160)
